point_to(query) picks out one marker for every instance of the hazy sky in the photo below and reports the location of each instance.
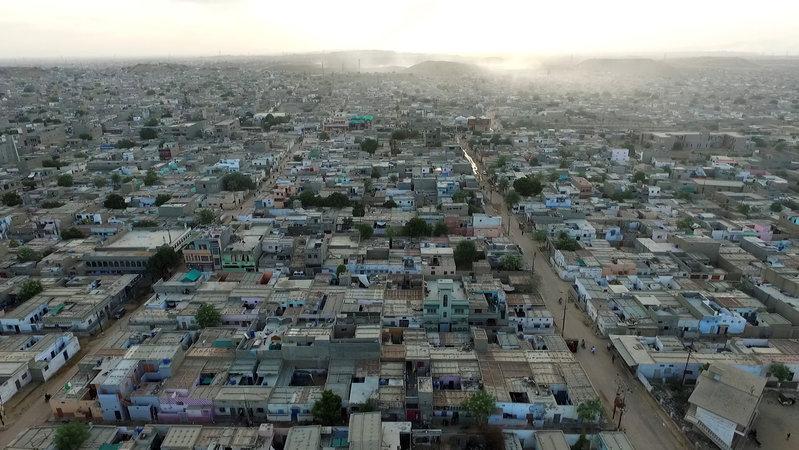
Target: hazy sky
(64, 28)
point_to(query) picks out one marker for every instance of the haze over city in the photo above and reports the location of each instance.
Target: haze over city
(151, 28)
(399, 225)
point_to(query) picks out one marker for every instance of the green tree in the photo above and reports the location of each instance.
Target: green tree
(50, 204)
(358, 210)
(390, 203)
(465, 254)
(114, 201)
(116, 179)
(99, 182)
(685, 224)
(26, 254)
(327, 410)
(512, 198)
(480, 405)
(589, 411)
(205, 217)
(375, 172)
(125, 143)
(151, 122)
(29, 289)
(323, 136)
(566, 243)
(781, 372)
(365, 230)
(440, 229)
(744, 209)
(503, 184)
(150, 178)
(776, 207)
(528, 186)
(639, 177)
(369, 145)
(511, 262)
(341, 268)
(160, 199)
(65, 180)
(540, 235)
(163, 261)
(237, 182)
(70, 436)
(416, 227)
(148, 133)
(11, 198)
(72, 233)
(207, 316)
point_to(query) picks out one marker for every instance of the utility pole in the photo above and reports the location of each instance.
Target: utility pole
(563, 321)
(690, 348)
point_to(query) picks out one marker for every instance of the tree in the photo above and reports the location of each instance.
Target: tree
(565, 242)
(776, 207)
(375, 172)
(150, 178)
(29, 289)
(116, 179)
(72, 233)
(114, 201)
(323, 136)
(480, 406)
(70, 436)
(589, 411)
(99, 182)
(365, 230)
(65, 180)
(26, 254)
(207, 316)
(512, 198)
(162, 262)
(503, 184)
(237, 182)
(639, 177)
(327, 409)
(125, 143)
(685, 224)
(511, 262)
(781, 372)
(540, 235)
(416, 227)
(50, 204)
(528, 186)
(151, 122)
(465, 254)
(440, 229)
(390, 203)
(160, 199)
(744, 209)
(358, 210)
(205, 217)
(148, 133)
(369, 145)
(341, 268)
(11, 198)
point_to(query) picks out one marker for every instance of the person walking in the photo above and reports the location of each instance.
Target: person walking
(788, 437)
(593, 349)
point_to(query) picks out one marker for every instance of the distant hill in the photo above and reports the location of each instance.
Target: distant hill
(625, 66)
(444, 68)
(712, 62)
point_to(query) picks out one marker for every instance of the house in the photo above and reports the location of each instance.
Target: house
(446, 307)
(724, 403)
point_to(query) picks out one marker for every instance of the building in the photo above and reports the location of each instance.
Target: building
(723, 405)
(446, 307)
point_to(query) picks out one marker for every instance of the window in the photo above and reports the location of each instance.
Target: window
(221, 410)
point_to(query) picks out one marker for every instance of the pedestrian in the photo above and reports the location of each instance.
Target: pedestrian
(47, 398)
(788, 437)
(593, 349)
(613, 357)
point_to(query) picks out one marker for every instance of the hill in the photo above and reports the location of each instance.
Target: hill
(444, 68)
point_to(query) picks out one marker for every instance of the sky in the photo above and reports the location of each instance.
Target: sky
(171, 28)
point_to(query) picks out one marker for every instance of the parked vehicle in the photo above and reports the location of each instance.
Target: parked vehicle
(786, 399)
(119, 313)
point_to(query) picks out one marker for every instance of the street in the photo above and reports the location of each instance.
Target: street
(644, 421)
